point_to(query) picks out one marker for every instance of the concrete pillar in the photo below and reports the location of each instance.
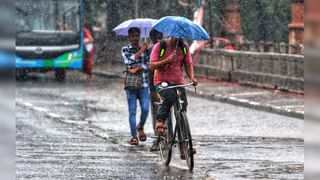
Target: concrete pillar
(296, 27)
(312, 19)
(261, 46)
(270, 47)
(232, 19)
(136, 9)
(252, 46)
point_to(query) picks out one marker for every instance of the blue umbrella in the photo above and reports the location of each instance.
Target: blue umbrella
(180, 27)
(144, 24)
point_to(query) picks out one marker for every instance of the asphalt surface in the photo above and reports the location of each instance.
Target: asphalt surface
(80, 130)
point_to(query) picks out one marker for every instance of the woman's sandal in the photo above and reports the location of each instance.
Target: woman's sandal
(160, 127)
(142, 135)
(134, 141)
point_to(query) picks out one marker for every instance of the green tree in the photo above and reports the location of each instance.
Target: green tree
(265, 20)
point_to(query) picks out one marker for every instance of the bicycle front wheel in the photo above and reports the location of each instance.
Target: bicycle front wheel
(166, 142)
(187, 147)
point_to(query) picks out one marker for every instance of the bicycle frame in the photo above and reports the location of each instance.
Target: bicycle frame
(176, 110)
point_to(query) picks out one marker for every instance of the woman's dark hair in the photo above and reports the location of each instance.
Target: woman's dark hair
(155, 35)
(133, 30)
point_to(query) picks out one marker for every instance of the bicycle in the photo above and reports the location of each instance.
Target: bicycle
(181, 134)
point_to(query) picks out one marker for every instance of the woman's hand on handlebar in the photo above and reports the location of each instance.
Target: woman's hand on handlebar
(194, 82)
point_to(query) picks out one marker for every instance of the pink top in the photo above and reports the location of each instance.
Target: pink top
(171, 73)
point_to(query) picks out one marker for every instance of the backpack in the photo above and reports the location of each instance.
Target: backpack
(163, 45)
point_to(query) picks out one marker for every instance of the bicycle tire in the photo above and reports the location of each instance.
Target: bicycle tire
(188, 146)
(165, 143)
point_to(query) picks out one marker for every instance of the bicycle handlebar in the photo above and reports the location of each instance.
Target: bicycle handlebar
(176, 86)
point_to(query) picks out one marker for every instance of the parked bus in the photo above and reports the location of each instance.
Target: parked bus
(48, 36)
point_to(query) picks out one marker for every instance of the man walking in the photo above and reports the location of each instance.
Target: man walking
(136, 83)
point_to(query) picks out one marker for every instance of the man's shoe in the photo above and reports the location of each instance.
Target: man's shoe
(155, 146)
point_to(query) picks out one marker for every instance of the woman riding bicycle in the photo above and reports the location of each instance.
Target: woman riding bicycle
(169, 68)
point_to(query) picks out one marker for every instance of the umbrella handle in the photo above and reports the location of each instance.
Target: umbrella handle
(177, 44)
(145, 34)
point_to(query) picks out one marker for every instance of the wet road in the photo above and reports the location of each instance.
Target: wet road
(78, 130)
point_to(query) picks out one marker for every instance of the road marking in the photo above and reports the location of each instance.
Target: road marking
(293, 106)
(239, 100)
(301, 112)
(254, 103)
(179, 166)
(72, 121)
(250, 93)
(147, 154)
(53, 115)
(27, 104)
(40, 109)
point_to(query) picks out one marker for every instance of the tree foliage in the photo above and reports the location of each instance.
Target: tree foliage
(265, 20)
(261, 19)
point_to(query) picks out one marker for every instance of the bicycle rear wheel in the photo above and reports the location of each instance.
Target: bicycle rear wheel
(166, 142)
(187, 147)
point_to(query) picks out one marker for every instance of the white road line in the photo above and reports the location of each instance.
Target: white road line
(147, 154)
(238, 99)
(275, 107)
(250, 93)
(289, 108)
(293, 106)
(40, 109)
(254, 103)
(179, 166)
(53, 115)
(27, 104)
(74, 122)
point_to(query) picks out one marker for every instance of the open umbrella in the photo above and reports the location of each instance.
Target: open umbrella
(144, 24)
(180, 27)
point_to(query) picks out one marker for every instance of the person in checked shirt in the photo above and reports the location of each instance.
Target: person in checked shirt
(136, 62)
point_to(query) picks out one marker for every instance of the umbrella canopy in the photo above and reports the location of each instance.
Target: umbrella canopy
(145, 26)
(180, 27)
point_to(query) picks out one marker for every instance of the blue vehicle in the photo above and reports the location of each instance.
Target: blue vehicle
(48, 36)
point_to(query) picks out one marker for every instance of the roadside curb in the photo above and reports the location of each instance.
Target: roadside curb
(225, 99)
(248, 104)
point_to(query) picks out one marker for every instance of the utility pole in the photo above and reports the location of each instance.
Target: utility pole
(112, 15)
(136, 8)
(262, 33)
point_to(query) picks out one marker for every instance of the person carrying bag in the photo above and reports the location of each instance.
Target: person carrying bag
(136, 83)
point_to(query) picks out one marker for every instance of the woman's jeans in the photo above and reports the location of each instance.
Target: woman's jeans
(169, 97)
(144, 100)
